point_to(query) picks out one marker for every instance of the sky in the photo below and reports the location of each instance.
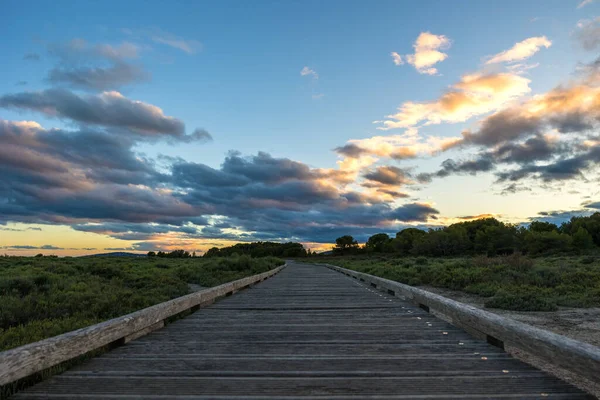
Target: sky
(139, 125)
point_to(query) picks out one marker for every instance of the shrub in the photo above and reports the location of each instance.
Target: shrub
(521, 299)
(421, 261)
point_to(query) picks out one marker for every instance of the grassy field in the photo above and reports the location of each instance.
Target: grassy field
(511, 283)
(44, 296)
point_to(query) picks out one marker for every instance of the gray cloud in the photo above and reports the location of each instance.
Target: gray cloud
(561, 169)
(595, 205)
(27, 247)
(533, 149)
(265, 168)
(95, 67)
(393, 193)
(387, 175)
(20, 230)
(98, 78)
(94, 181)
(108, 109)
(79, 51)
(501, 127)
(350, 150)
(558, 217)
(588, 34)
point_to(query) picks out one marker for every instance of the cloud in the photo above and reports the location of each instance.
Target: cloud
(307, 71)
(79, 50)
(396, 58)
(359, 154)
(95, 67)
(565, 168)
(20, 230)
(588, 33)
(521, 51)
(93, 181)
(108, 109)
(351, 150)
(547, 139)
(188, 46)
(427, 53)
(560, 216)
(138, 231)
(32, 57)
(566, 108)
(584, 3)
(28, 247)
(98, 78)
(594, 205)
(388, 175)
(475, 94)
(60, 176)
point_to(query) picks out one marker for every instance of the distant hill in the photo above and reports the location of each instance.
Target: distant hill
(116, 254)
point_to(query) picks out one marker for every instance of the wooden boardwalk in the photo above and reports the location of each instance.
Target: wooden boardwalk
(307, 333)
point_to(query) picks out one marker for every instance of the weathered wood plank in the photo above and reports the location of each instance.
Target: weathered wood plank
(34, 357)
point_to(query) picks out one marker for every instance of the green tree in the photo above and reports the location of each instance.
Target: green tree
(345, 244)
(591, 224)
(406, 238)
(582, 239)
(536, 243)
(540, 226)
(377, 242)
(496, 239)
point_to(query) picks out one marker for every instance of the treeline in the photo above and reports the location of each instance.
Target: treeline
(484, 236)
(172, 254)
(261, 249)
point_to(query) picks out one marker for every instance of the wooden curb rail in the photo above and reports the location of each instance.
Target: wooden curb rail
(26, 360)
(575, 356)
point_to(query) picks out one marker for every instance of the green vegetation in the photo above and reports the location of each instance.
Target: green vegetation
(45, 296)
(486, 236)
(513, 282)
(260, 249)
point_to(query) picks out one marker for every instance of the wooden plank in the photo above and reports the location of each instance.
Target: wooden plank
(34, 357)
(579, 357)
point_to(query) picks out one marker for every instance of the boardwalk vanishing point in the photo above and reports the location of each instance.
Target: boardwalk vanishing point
(309, 332)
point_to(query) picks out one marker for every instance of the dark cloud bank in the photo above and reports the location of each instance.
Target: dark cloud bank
(93, 180)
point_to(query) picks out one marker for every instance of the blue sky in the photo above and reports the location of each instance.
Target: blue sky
(234, 69)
